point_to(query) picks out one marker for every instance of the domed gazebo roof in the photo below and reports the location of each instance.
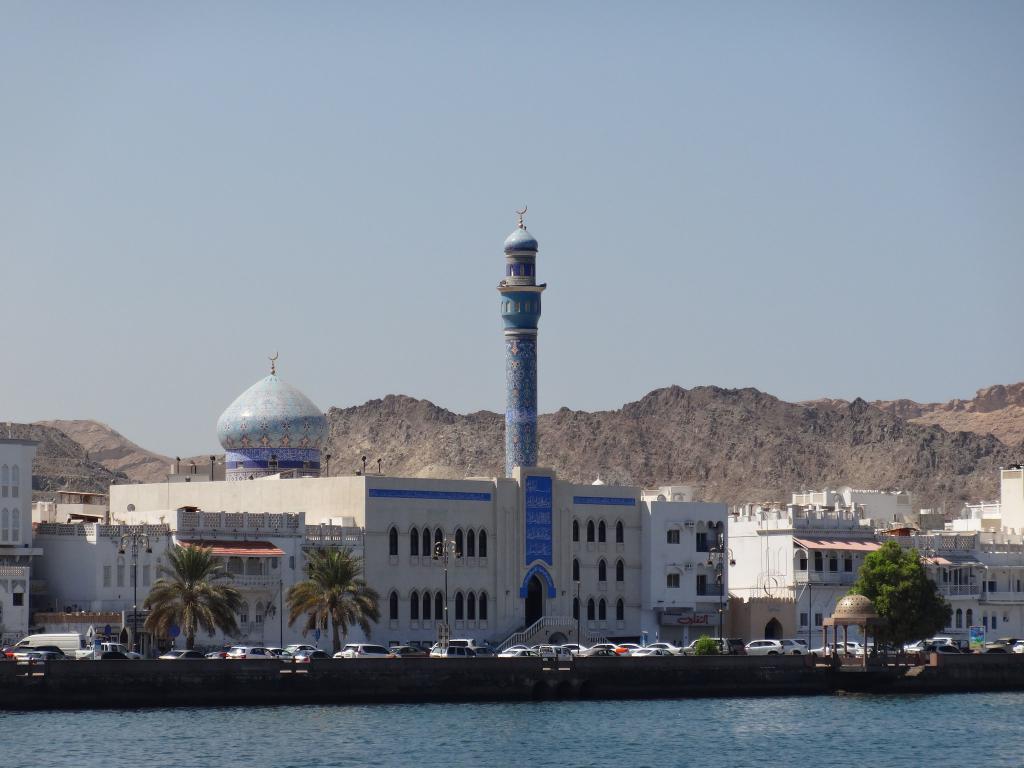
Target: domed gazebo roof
(271, 414)
(855, 608)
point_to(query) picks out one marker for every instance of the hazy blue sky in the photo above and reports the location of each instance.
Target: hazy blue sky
(814, 199)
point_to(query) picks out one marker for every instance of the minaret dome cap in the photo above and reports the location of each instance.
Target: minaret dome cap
(520, 240)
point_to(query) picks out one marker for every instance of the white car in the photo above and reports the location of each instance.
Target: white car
(674, 650)
(574, 648)
(626, 649)
(765, 648)
(296, 647)
(794, 647)
(649, 651)
(249, 652)
(553, 652)
(826, 650)
(452, 652)
(364, 651)
(518, 653)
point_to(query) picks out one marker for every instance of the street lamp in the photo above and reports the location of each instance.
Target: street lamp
(443, 551)
(579, 611)
(135, 539)
(717, 556)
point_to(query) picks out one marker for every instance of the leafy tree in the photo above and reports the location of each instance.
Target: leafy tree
(706, 646)
(334, 594)
(193, 596)
(895, 581)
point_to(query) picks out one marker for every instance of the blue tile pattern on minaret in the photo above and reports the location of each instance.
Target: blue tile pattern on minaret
(520, 311)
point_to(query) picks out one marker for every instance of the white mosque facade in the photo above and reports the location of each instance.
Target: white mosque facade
(529, 553)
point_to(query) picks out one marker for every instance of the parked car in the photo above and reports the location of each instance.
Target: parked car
(827, 650)
(649, 651)
(408, 651)
(22, 653)
(216, 655)
(452, 652)
(995, 648)
(518, 653)
(673, 650)
(113, 656)
(553, 653)
(364, 651)
(607, 646)
(181, 655)
(625, 649)
(574, 648)
(480, 649)
(304, 657)
(37, 656)
(249, 652)
(945, 648)
(296, 647)
(599, 650)
(765, 648)
(794, 647)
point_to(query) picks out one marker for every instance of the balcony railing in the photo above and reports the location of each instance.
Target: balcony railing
(710, 590)
(844, 578)
(255, 582)
(960, 590)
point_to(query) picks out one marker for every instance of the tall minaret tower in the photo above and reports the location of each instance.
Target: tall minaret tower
(520, 309)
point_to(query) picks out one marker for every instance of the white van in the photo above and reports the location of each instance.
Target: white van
(69, 642)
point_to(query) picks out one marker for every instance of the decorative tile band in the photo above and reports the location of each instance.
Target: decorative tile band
(401, 493)
(607, 501)
(520, 403)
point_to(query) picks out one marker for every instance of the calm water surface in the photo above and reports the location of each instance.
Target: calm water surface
(818, 732)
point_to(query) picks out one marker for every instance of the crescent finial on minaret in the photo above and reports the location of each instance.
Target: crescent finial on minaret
(521, 214)
(273, 364)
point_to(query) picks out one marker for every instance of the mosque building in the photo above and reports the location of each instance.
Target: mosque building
(530, 557)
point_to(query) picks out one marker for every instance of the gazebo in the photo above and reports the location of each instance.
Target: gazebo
(855, 610)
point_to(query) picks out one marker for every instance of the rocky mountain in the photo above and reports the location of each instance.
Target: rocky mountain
(736, 445)
(113, 450)
(997, 410)
(63, 464)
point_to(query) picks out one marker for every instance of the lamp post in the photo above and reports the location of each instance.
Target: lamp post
(717, 556)
(579, 611)
(443, 551)
(135, 540)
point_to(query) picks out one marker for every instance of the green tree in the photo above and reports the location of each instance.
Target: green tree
(909, 602)
(334, 595)
(706, 646)
(193, 596)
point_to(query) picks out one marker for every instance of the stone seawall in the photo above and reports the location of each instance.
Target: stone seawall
(91, 684)
(88, 684)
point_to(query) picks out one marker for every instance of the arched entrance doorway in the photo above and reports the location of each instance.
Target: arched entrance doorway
(534, 600)
(773, 630)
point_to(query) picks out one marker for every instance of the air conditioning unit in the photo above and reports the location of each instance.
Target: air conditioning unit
(689, 524)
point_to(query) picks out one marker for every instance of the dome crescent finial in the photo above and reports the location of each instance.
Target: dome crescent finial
(273, 364)
(520, 214)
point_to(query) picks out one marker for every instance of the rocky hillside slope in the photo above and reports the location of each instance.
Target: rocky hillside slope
(113, 450)
(997, 410)
(737, 445)
(63, 464)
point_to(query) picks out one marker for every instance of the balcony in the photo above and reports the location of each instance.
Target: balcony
(826, 578)
(1003, 597)
(709, 590)
(962, 590)
(255, 582)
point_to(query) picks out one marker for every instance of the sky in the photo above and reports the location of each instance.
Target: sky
(813, 199)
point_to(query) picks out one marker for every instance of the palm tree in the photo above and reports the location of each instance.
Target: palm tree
(334, 593)
(193, 597)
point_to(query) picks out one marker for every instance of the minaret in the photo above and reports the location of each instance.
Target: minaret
(520, 309)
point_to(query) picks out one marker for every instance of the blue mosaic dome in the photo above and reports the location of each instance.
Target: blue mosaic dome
(520, 240)
(271, 414)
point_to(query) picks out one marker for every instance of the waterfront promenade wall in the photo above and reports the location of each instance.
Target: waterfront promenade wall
(222, 682)
(94, 684)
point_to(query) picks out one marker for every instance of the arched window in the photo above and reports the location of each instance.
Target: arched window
(470, 543)
(590, 610)
(833, 563)
(602, 570)
(5, 474)
(575, 530)
(427, 605)
(458, 542)
(427, 549)
(393, 606)
(575, 569)
(602, 610)
(959, 618)
(819, 561)
(471, 606)
(243, 613)
(5, 525)
(15, 525)
(439, 607)
(482, 544)
(120, 571)
(620, 571)
(482, 606)
(414, 605)
(620, 611)
(393, 541)
(602, 532)
(258, 616)
(590, 530)
(995, 622)
(460, 606)
(438, 540)
(576, 608)
(620, 533)
(15, 475)
(970, 617)
(414, 542)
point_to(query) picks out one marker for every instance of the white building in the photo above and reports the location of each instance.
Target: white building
(16, 546)
(792, 565)
(881, 507)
